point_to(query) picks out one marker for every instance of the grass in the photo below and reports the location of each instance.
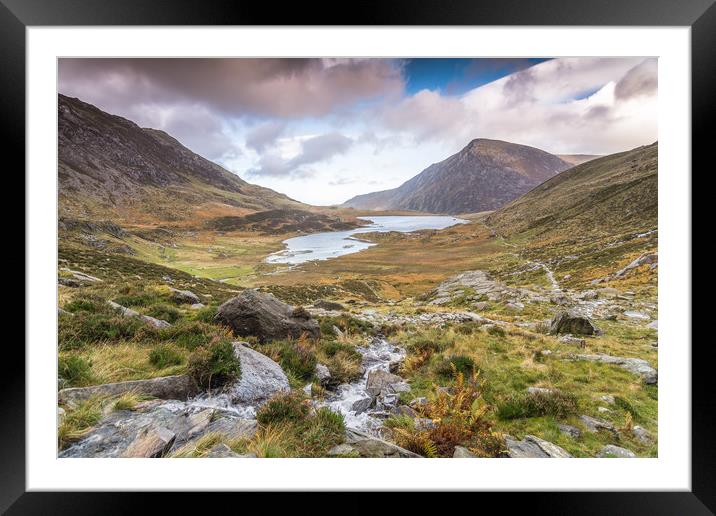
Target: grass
(214, 365)
(78, 421)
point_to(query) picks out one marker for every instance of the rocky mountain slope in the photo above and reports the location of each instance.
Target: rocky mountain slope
(605, 196)
(109, 167)
(483, 176)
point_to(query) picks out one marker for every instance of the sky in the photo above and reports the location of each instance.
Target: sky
(324, 130)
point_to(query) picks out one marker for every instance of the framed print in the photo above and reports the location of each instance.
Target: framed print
(314, 249)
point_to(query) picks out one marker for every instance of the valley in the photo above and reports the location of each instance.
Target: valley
(525, 328)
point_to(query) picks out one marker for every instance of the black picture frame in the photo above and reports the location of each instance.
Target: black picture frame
(700, 15)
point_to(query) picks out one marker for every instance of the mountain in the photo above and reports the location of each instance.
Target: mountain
(578, 159)
(110, 168)
(483, 176)
(612, 195)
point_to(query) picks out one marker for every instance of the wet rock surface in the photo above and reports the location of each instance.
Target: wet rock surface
(178, 387)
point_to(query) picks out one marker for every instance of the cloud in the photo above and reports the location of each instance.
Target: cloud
(237, 87)
(542, 106)
(642, 80)
(264, 135)
(313, 150)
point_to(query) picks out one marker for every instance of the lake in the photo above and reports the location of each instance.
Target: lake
(323, 246)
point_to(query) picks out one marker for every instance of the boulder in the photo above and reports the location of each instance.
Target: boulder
(569, 430)
(179, 387)
(81, 276)
(642, 435)
(362, 405)
(185, 296)
(153, 441)
(261, 315)
(341, 450)
(568, 322)
(260, 379)
(382, 381)
(593, 424)
(645, 259)
(369, 446)
(323, 375)
(463, 453)
(199, 422)
(618, 452)
(404, 410)
(533, 447)
(128, 312)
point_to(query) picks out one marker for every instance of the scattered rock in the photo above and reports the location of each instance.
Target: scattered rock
(462, 453)
(515, 306)
(594, 425)
(589, 295)
(654, 325)
(341, 449)
(568, 322)
(645, 259)
(404, 410)
(533, 447)
(262, 315)
(369, 446)
(636, 315)
(603, 410)
(260, 379)
(540, 390)
(480, 305)
(559, 299)
(613, 451)
(323, 375)
(179, 387)
(573, 341)
(379, 381)
(153, 441)
(199, 422)
(642, 435)
(417, 402)
(128, 312)
(81, 276)
(362, 405)
(221, 451)
(636, 366)
(185, 296)
(197, 306)
(423, 423)
(569, 430)
(608, 398)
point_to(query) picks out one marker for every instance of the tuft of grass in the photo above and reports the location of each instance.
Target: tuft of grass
(87, 328)
(164, 312)
(215, 365)
(557, 404)
(282, 408)
(74, 371)
(295, 357)
(127, 401)
(164, 356)
(456, 364)
(79, 420)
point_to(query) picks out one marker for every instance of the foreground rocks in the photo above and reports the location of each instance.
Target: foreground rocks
(569, 322)
(261, 315)
(260, 379)
(618, 452)
(534, 447)
(185, 296)
(368, 446)
(179, 387)
(156, 429)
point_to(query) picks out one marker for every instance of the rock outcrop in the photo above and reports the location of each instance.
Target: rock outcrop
(261, 315)
(534, 447)
(260, 379)
(568, 322)
(179, 387)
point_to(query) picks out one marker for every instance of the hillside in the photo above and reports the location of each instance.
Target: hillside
(483, 176)
(109, 167)
(578, 159)
(605, 196)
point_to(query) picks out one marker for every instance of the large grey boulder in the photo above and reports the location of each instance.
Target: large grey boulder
(261, 315)
(179, 387)
(568, 322)
(534, 447)
(261, 377)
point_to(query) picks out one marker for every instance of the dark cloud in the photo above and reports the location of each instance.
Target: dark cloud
(231, 86)
(640, 80)
(313, 150)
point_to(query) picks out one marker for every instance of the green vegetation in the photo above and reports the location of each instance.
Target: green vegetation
(215, 364)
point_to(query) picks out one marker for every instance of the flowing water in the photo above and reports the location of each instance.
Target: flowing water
(378, 354)
(322, 246)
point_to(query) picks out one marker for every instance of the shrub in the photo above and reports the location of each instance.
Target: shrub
(205, 314)
(282, 408)
(554, 403)
(346, 324)
(87, 328)
(88, 303)
(322, 431)
(214, 365)
(424, 345)
(74, 371)
(468, 327)
(296, 357)
(164, 356)
(186, 334)
(164, 312)
(454, 365)
(344, 366)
